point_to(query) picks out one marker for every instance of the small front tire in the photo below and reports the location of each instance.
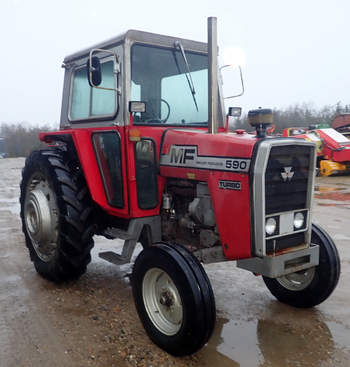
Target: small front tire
(310, 287)
(173, 298)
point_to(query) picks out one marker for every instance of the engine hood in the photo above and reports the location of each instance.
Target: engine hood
(196, 149)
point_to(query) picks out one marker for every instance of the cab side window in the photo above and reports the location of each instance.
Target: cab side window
(87, 102)
(146, 174)
(108, 152)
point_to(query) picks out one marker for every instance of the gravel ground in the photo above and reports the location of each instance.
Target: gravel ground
(93, 322)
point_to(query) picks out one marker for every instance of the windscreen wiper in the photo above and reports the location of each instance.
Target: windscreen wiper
(187, 73)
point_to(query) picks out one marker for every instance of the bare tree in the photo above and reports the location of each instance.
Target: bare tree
(19, 141)
(300, 115)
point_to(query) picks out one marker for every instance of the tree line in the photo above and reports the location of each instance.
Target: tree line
(20, 139)
(299, 115)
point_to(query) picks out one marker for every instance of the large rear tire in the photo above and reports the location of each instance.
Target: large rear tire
(55, 210)
(173, 298)
(310, 287)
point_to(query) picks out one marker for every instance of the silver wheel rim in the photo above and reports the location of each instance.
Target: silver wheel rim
(297, 281)
(41, 217)
(162, 301)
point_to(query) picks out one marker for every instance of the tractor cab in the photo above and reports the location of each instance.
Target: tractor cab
(122, 95)
(140, 79)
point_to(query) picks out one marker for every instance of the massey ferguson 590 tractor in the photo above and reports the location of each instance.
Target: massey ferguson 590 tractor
(144, 154)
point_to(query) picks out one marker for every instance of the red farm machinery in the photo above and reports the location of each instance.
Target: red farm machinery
(333, 147)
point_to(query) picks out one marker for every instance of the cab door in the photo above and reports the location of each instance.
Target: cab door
(144, 184)
(109, 150)
(93, 114)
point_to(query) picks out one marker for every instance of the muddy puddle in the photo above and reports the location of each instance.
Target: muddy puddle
(267, 342)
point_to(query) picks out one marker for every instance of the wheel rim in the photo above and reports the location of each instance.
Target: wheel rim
(41, 217)
(297, 281)
(162, 301)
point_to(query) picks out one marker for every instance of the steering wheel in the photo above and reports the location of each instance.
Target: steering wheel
(161, 121)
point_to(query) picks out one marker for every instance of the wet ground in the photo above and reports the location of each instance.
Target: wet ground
(93, 322)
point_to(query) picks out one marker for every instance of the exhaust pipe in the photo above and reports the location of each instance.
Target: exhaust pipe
(213, 90)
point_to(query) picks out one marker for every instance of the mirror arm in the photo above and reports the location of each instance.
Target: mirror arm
(116, 68)
(242, 83)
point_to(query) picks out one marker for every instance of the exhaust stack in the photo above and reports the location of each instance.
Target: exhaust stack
(212, 76)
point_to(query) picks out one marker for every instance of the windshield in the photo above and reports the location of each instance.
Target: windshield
(159, 78)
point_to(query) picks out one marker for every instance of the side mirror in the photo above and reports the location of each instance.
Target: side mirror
(94, 74)
(94, 71)
(235, 111)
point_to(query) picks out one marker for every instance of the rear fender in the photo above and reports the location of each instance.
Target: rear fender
(82, 141)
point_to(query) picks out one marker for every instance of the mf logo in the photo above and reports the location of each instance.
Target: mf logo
(181, 155)
(287, 174)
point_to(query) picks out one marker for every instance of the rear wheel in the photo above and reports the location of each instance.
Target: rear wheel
(55, 212)
(310, 287)
(173, 298)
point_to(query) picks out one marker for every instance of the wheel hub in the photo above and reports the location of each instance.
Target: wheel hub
(162, 301)
(297, 281)
(166, 298)
(40, 215)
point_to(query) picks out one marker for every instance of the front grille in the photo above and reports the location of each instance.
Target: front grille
(280, 244)
(286, 178)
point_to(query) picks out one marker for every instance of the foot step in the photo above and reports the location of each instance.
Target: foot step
(113, 258)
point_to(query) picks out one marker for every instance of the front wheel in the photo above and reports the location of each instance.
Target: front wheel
(310, 287)
(173, 298)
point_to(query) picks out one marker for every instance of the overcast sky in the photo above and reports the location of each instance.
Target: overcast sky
(296, 51)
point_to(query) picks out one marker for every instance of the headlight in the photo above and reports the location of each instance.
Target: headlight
(298, 220)
(270, 226)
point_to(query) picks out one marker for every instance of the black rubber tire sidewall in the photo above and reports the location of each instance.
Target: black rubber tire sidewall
(325, 279)
(74, 240)
(205, 286)
(193, 333)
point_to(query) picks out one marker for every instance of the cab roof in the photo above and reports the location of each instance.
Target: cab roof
(134, 36)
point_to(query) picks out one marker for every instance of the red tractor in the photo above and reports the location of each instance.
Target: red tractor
(144, 154)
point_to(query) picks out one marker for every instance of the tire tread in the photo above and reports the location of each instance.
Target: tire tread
(75, 232)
